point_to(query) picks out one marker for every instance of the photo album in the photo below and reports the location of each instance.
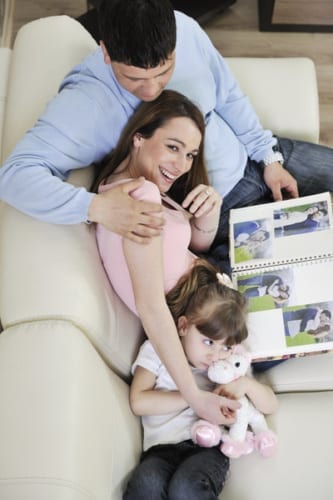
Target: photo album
(281, 255)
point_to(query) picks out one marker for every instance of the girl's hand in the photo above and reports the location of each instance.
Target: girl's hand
(203, 200)
(216, 409)
(235, 389)
(261, 395)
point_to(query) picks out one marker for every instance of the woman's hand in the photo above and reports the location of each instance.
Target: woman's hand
(203, 200)
(216, 409)
(205, 205)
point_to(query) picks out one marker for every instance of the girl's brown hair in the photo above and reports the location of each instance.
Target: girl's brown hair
(148, 117)
(217, 311)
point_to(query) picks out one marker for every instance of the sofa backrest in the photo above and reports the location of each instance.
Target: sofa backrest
(283, 91)
(50, 271)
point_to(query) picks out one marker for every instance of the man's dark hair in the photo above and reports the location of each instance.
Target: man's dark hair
(327, 313)
(139, 33)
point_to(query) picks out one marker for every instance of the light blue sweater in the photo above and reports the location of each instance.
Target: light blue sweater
(84, 120)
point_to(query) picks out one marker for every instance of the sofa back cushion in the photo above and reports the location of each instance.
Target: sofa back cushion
(53, 271)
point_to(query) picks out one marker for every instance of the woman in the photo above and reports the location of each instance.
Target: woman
(163, 142)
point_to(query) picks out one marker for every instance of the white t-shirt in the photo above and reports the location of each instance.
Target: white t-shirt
(171, 427)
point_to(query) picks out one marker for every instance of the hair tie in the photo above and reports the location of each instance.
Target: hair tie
(224, 279)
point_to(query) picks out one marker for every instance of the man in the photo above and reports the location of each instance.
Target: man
(145, 48)
(265, 284)
(249, 232)
(311, 223)
(308, 319)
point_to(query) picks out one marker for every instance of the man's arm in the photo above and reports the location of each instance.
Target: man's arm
(236, 110)
(76, 130)
(309, 314)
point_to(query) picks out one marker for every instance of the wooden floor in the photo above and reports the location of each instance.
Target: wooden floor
(235, 33)
(303, 12)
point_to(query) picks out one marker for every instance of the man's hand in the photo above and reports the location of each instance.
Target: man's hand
(116, 210)
(277, 179)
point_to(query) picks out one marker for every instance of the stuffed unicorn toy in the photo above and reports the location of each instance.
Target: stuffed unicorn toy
(239, 440)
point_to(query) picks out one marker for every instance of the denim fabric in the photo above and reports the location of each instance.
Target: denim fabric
(182, 471)
(262, 366)
(250, 190)
(310, 164)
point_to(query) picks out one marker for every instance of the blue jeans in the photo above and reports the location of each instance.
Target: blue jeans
(310, 164)
(182, 471)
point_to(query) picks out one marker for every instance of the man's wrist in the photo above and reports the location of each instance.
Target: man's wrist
(273, 157)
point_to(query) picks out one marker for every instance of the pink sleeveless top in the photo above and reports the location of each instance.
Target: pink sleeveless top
(176, 239)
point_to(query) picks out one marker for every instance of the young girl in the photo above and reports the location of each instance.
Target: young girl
(163, 142)
(210, 317)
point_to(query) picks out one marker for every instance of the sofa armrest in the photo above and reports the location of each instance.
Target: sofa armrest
(66, 428)
(284, 93)
(41, 58)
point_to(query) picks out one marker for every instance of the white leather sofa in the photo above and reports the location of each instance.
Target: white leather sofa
(66, 429)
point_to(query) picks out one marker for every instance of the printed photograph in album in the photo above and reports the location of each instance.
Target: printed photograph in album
(281, 232)
(283, 263)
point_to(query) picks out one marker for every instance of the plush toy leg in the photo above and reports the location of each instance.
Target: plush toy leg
(235, 449)
(205, 434)
(265, 443)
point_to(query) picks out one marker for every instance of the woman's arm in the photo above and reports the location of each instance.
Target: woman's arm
(145, 400)
(145, 264)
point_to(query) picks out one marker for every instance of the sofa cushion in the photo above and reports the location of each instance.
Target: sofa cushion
(53, 271)
(301, 467)
(308, 373)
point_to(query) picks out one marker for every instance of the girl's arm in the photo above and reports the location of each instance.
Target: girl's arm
(145, 400)
(145, 264)
(205, 205)
(262, 396)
